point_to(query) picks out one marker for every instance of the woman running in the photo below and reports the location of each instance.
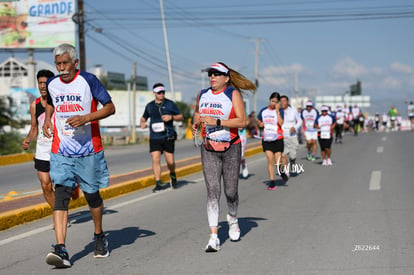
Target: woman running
(220, 110)
(271, 118)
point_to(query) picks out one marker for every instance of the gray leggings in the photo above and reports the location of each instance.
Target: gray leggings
(215, 166)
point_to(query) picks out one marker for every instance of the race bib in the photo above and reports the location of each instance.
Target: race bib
(218, 139)
(270, 132)
(158, 127)
(68, 130)
(325, 135)
(220, 135)
(65, 128)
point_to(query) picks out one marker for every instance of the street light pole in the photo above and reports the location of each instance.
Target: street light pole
(167, 50)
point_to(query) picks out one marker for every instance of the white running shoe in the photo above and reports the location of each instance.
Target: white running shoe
(324, 162)
(234, 230)
(213, 245)
(245, 172)
(329, 162)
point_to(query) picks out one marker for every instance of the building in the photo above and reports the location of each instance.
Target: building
(14, 73)
(15, 84)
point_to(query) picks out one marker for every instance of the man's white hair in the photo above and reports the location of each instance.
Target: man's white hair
(66, 48)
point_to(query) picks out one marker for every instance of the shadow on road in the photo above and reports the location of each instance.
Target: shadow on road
(180, 184)
(85, 216)
(246, 224)
(116, 239)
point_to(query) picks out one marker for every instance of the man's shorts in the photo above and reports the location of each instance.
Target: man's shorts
(167, 145)
(273, 146)
(42, 165)
(311, 135)
(91, 172)
(325, 143)
(290, 146)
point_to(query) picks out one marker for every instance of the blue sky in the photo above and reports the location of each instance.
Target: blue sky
(342, 44)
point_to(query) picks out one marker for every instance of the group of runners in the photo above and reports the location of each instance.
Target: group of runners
(66, 117)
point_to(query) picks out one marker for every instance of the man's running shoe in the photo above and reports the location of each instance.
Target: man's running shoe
(329, 162)
(234, 230)
(157, 188)
(101, 246)
(173, 180)
(76, 192)
(284, 177)
(313, 158)
(272, 185)
(309, 156)
(324, 162)
(213, 245)
(58, 257)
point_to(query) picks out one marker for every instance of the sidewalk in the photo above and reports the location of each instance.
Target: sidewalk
(31, 207)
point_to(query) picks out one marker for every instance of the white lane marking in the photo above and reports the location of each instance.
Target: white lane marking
(49, 227)
(375, 181)
(384, 138)
(27, 234)
(380, 149)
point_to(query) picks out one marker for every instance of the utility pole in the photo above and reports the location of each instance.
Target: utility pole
(167, 50)
(296, 85)
(256, 74)
(134, 87)
(81, 35)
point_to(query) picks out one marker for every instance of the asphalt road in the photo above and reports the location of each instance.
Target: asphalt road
(23, 179)
(355, 217)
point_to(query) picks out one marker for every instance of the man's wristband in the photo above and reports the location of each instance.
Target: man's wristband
(218, 122)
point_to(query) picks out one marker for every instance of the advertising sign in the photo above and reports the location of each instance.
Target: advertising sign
(36, 23)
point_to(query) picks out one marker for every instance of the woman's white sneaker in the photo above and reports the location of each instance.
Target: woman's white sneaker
(234, 230)
(213, 245)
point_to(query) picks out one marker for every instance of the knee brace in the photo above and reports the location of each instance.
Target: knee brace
(94, 199)
(62, 197)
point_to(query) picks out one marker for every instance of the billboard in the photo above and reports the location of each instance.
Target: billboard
(36, 23)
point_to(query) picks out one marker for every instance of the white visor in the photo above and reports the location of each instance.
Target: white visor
(218, 67)
(158, 89)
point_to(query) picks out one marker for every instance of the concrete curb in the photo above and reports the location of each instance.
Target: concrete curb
(16, 158)
(27, 214)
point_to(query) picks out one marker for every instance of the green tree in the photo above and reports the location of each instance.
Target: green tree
(5, 114)
(10, 143)
(185, 110)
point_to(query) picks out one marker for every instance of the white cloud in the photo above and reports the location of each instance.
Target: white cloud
(401, 68)
(281, 76)
(390, 83)
(283, 70)
(348, 68)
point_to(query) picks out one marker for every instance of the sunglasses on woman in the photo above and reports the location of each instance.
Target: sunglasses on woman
(215, 73)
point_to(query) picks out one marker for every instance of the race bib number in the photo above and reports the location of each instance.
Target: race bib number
(218, 135)
(270, 132)
(65, 128)
(158, 127)
(68, 130)
(325, 135)
(286, 128)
